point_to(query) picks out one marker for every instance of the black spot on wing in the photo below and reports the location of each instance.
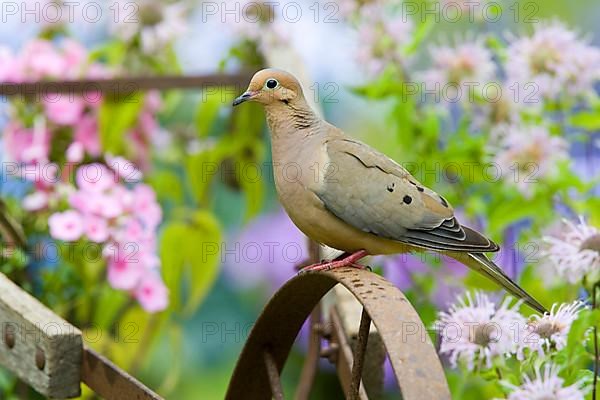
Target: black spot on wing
(444, 202)
(407, 199)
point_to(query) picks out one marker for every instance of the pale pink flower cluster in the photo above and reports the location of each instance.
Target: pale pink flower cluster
(57, 114)
(459, 72)
(382, 37)
(574, 252)
(259, 21)
(549, 332)
(546, 385)
(555, 59)
(124, 220)
(44, 60)
(526, 154)
(156, 24)
(475, 330)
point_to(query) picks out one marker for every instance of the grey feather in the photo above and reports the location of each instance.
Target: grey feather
(385, 200)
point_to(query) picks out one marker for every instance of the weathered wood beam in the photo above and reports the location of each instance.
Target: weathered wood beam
(42, 349)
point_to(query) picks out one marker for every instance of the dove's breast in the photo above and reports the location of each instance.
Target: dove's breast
(300, 168)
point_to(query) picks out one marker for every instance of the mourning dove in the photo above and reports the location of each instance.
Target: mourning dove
(344, 194)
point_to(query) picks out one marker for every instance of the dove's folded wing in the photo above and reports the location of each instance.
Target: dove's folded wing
(371, 192)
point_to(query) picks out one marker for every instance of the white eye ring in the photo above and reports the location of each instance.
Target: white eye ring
(271, 83)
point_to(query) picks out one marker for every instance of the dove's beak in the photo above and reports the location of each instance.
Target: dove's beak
(249, 95)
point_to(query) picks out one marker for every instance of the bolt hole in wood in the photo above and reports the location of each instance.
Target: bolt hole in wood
(9, 337)
(40, 359)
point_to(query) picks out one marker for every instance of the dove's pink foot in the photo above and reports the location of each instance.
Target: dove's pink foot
(345, 260)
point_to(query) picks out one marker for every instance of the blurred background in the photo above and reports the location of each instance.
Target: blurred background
(196, 178)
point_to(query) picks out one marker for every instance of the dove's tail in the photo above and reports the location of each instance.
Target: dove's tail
(480, 263)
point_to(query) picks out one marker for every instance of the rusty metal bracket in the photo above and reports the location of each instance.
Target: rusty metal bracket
(416, 366)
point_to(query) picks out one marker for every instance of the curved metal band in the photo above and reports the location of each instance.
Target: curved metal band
(416, 365)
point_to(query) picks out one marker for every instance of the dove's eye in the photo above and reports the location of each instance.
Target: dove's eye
(272, 84)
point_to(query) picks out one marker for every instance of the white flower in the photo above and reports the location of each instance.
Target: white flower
(35, 201)
(476, 331)
(459, 72)
(546, 386)
(555, 60)
(157, 23)
(524, 154)
(575, 252)
(382, 37)
(550, 331)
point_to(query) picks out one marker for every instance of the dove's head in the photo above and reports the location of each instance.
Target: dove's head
(272, 86)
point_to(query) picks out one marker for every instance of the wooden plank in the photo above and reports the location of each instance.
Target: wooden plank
(126, 86)
(111, 382)
(39, 347)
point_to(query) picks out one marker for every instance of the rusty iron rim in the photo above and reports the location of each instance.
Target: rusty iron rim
(415, 363)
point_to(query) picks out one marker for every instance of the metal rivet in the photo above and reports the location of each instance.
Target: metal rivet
(40, 359)
(9, 338)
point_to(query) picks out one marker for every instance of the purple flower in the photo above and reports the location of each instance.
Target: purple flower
(266, 252)
(382, 37)
(476, 331)
(555, 61)
(546, 386)
(573, 252)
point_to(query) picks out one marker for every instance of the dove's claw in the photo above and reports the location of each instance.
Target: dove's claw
(348, 261)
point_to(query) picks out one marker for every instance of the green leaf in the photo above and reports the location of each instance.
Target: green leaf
(108, 305)
(208, 111)
(203, 251)
(167, 185)
(118, 113)
(421, 33)
(590, 121)
(190, 254)
(173, 260)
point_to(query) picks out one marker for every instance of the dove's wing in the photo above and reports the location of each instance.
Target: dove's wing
(369, 191)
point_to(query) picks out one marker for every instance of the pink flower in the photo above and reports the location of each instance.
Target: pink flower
(96, 229)
(8, 66)
(382, 37)
(99, 204)
(124, 168)
(124, 267)
(549, 332)
(572, 252)
(75, 152)
(41, 59)
(67, 226)
(556, 60)
(459, 72)
(125, 197)
(86, 133)
(547, 384)
(476, 331)
(131, 230)
(527, 154)
(153, 102)
(64, 109)
(26, 145)
(95, 178)
(152, 293)
(75, 56)
(145, 206)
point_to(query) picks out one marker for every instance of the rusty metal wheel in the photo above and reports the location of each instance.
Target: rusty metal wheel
(415, 363)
